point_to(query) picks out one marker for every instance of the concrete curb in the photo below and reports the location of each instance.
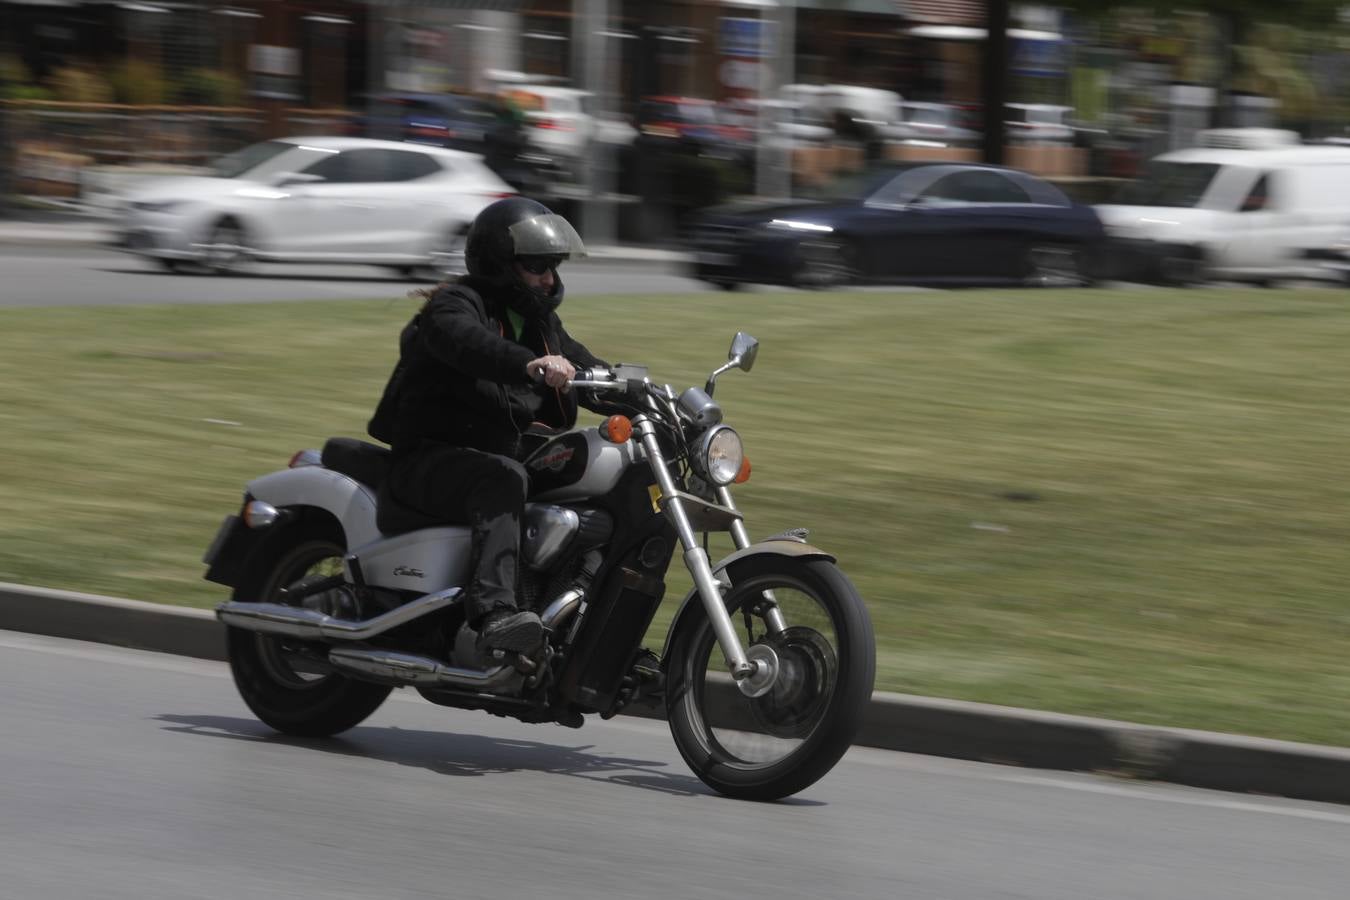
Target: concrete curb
(949, 728)
(18, 233)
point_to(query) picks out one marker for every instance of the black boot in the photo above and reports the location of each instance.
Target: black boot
(509, 629)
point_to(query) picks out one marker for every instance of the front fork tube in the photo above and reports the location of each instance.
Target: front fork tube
(773, 616)
(697, 560)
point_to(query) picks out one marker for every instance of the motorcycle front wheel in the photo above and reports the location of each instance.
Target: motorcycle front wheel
(283, 680)
(768, 747)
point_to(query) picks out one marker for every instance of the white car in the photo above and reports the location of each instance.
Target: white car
(561, 121)
(316, 200)
(1248, 204)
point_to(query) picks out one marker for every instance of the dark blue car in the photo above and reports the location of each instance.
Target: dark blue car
(906, 223)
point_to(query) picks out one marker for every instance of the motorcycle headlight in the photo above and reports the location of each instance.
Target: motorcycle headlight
(722, 454)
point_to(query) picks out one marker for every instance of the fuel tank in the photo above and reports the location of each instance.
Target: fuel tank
(577, 465)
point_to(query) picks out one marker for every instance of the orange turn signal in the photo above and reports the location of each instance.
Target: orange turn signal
(616, 429)
(744, 474)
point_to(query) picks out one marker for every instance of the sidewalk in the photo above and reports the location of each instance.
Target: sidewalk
(30, 227)
(950, 728)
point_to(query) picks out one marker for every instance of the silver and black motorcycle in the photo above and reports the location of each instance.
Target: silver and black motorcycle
(768, 665)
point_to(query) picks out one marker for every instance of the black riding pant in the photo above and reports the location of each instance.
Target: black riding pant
(459, 486)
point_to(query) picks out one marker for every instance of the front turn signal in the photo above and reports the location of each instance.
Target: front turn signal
(616, 429)
(743, 475)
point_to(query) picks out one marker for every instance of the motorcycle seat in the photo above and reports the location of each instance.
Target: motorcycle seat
(369, 464)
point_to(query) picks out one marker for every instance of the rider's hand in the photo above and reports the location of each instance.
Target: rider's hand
(554, 371)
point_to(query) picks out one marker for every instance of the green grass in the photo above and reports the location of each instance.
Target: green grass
(1129, 504)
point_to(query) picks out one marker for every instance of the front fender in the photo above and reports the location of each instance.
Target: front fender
(778, 547)
(349, 501)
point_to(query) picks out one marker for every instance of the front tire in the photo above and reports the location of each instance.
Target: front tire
(826, 263)
(226, 250)
(772, 746)
(283, 680)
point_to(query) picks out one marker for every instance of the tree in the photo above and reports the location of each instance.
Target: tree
(1252, 36)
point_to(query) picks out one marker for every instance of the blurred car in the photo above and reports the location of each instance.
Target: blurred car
(1038, 123)
(1249, 204)
(560, 121)
(697, 122)
(480, 124)
(316, 200)
(458, 121)
(791, 123)
(905, 223)
(936, 125)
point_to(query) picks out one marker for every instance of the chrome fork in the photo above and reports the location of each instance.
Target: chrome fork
(754, 673)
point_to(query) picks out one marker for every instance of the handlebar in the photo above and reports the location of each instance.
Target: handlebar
(620, 378)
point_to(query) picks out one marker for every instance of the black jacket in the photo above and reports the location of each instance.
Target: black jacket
(463, 380)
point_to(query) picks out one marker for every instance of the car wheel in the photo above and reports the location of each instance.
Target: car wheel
(447, 254)
(1184, 268)
(723, 285)
(824, 264)
(1055, 265)
(226, 251)
(172, 266)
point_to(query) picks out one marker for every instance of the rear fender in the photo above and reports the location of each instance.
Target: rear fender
(725, 570)
(347, 500)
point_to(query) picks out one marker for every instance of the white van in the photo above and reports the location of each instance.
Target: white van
(1248, 204)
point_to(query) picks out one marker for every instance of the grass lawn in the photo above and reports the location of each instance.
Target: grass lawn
(1130, 504)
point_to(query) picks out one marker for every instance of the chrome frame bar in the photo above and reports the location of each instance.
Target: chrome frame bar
(695, 557)
(773, 616)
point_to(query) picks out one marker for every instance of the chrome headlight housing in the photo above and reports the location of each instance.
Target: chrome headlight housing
(720, 455)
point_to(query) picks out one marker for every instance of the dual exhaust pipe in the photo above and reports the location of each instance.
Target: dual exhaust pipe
(379, 664)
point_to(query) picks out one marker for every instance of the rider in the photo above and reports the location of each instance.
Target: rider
(485, 359)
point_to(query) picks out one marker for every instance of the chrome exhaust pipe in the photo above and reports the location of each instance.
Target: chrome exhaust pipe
(560, 610)
(423, 671)
(310, 624)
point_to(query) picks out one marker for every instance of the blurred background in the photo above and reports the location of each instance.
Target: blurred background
(634, 114)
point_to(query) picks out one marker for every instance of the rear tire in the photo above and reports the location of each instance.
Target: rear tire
(447, 255)
(772, 746)
(1184, 268)
(1055, 265)
(287, 690)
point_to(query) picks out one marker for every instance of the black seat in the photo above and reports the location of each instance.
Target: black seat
(369, 464)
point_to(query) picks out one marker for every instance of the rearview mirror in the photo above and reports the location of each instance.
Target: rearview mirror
(743, 350)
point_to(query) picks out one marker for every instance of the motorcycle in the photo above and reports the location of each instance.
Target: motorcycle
(767, 667)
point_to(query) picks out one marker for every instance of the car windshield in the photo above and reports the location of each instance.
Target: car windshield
(239, 163)
(1179, 184)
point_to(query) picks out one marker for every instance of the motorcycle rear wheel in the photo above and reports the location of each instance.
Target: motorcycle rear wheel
(769, 747)
(284, 688)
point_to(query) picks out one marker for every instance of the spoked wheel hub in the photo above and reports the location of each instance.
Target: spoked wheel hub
(807, 672)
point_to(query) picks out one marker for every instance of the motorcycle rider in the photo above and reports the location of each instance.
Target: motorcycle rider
(483, 361)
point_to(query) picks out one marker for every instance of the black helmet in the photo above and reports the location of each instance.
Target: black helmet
(515, 227)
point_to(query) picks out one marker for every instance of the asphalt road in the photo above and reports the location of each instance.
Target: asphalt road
(133, 774)
(76, 275)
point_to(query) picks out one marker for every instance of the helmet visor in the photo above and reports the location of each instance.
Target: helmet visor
(547, 234)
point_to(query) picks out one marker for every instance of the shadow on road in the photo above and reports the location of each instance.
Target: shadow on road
(446, 753)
